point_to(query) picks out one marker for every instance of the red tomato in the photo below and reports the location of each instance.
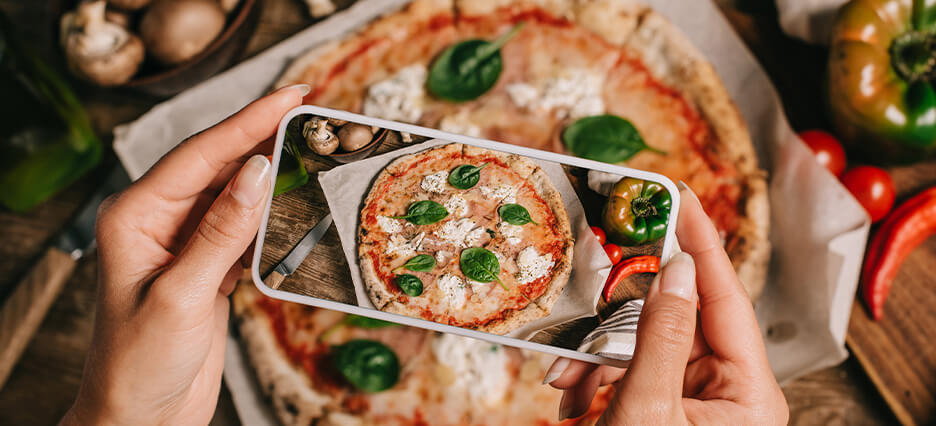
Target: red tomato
(599, 234)
(614, 252)
(827, 149)
(873, 188)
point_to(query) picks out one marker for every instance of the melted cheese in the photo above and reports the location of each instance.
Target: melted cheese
(389, 225)
(399, 97)
(454, 289)
(504, 193)
(533, 266)
(481, 369)
(398, 244)
(457, 206)
(572, 93)
(456, 232)
(461, 124)
(510, 232)
(435, 182)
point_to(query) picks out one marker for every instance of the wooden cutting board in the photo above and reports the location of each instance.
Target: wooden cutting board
(899, 351)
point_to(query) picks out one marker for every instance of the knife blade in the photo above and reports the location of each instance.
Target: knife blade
(26, 303)
(298, 254)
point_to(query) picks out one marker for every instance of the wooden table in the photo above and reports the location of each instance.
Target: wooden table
(43, 384)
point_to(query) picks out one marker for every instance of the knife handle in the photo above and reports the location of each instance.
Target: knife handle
(274, 280)
(24, 309)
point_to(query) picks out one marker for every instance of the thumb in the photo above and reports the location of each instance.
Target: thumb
(665, 332)
(226, 230)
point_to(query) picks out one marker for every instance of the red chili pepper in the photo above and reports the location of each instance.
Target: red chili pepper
(902, 231)
(626, 268)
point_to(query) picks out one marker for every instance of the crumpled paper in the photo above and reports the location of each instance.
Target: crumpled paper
(818, 231)
(346, 186)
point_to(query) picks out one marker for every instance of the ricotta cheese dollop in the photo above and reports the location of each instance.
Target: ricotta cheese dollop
(399, 97)
(389, 225)
(435, 182)
(454, 289)
(533, 266)
(505, 193)
(456, 232)
(398, 244)
(456, 206)
(510, 232)
(460, 123)
(481, 369)
(572, 93)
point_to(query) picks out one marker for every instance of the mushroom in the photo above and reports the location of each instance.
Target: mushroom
(354, 136)
(176, 30)
(96, 50)
(229, 5)
(129, 4)
(117, 17)
(337, 121)
(318, 137)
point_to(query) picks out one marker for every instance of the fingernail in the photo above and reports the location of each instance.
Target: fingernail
(556, 370)
(302, 88)
(565, 406)
(685, 189)
(253, 181)
(678, 277)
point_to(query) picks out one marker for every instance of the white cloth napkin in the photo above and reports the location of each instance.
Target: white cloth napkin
(808, 20)
(617, 334)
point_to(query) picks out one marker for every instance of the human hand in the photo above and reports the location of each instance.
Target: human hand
(168, 250)
(684, 373)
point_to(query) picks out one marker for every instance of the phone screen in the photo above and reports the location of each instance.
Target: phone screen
(460, 234)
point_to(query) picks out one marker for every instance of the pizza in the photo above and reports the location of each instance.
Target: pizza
(491, 207)
(569, 60)
(300, 355)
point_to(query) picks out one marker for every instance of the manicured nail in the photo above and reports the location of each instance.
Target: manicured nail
(678, 277)
(253, 181)
(685, 189)
(556, 370)
(302, 88)
(565, 406)
(687, 193)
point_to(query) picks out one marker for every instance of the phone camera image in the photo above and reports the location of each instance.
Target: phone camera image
(461, 232)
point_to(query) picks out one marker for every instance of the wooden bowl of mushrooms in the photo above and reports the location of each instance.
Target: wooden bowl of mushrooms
(159, 47)
(340, 140)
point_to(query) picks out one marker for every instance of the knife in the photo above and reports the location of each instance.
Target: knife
(298, 253)
(24, 307)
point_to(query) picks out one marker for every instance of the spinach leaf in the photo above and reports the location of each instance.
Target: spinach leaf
(515, 214)
(367, 364)
(365, 322)
(465, 176)
(480, 265)
(419, 263)
(467, 69)
(606, 138)
(424, 212)
(410, 284)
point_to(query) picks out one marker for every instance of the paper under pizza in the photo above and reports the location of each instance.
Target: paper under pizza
(559, 62)
(327, 368)
(432, 222)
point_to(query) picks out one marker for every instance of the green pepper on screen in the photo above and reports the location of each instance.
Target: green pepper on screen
(291, 173)
(637, 212)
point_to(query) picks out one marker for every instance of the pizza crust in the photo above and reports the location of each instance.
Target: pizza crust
(563, 269)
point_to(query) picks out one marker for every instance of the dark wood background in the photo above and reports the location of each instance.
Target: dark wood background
(43, 384)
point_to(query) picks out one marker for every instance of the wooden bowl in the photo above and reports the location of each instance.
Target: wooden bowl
(363, 152)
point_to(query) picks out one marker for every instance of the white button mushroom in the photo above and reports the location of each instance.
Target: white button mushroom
(318, 137)
(354, 136)
(175, 31)
(96, 50)
(128, 4)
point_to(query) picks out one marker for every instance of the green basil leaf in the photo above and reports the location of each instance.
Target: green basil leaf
(606, 138)
(419, 263)
(480, 265)
(424, 212)
(468, 69)
(367, 364)
(365, 322)
(410, 284)
(515, 214)
(465, 176)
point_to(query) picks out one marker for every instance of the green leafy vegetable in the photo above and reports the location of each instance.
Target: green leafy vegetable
(367, 364)
(606, 138)
(419, 263)
(365, 322)
(410, 284)
(424, 212)
(515, 214)
(480, 265)
(465, 176)
(466, 70)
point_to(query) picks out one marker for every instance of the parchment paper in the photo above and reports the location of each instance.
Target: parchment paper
(346, 186)
(818, 232)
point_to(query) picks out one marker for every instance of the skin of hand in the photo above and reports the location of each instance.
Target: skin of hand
(168, 251)
(704, 365)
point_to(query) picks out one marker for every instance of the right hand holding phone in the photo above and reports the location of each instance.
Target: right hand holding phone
(682, 372)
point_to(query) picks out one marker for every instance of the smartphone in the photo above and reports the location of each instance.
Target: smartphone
(459, 234)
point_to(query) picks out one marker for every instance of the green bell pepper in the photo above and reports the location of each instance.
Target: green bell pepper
(291, 173)
(882, 70)
(637, 212)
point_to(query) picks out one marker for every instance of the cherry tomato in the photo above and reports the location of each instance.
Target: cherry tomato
(599, 234)
(827, 149)
(873, 188)
(614, 252)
